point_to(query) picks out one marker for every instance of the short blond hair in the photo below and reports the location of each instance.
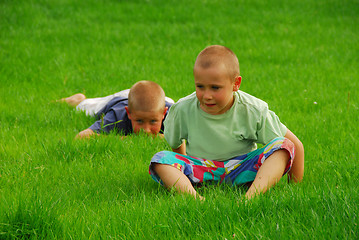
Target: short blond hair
(146, 96)
(216, 55)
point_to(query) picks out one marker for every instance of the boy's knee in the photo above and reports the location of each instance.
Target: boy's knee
(163, 169)
(157, 166)
(289, 146)
(285, 144)
(283, 154)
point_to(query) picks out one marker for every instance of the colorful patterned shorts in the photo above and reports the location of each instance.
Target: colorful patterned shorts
(236, 171)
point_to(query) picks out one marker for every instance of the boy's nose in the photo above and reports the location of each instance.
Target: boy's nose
(147, 128)
(207, 95)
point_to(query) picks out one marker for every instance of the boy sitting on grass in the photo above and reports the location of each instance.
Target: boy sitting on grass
(221, 126)
(141, 108)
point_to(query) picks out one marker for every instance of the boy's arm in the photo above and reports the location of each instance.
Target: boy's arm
(181, 149)
(87, 133)
(297, 170)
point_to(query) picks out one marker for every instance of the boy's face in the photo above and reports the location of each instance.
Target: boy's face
(149, 122)
(214, 89)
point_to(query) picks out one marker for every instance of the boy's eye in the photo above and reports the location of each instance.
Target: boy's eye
(215, 87)
(199, 86)
(139, 121)
(154, 121)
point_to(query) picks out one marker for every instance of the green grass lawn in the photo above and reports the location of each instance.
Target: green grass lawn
(302, 57)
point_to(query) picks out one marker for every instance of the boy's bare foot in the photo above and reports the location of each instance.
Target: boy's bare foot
(73, 100)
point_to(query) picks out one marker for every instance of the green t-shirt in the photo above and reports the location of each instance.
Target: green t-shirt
(222, 137)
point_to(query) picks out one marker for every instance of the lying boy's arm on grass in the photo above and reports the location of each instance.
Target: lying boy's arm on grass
(181, 149)
(297, 170)
(87, 133)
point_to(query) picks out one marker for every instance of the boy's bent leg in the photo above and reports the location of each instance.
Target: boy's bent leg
(244, 169)
(180, 171)
(269, 173)
(172, 177)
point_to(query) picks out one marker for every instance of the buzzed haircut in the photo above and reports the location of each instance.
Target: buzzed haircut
(146, 96)
(216, 55)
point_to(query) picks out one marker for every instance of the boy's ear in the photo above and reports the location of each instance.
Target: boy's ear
(237, 83)
(128, 112)
(164, 112)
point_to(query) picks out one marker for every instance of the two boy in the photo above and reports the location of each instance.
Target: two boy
(213, 132)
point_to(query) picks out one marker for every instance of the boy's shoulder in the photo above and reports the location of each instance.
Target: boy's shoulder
(117, 100)
(250, 100)
(117, 104)
(186, 101)
(184, 104)
(188, 98)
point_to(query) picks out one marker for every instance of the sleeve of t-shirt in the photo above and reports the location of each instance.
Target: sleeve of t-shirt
(174, 128)
(105, 124)
(269, 127)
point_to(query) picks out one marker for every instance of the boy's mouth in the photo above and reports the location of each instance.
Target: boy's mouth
(210, 104)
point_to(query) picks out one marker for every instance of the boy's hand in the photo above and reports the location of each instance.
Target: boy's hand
(87, 133)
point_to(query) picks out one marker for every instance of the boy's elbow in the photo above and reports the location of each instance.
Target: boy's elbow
(297, 143)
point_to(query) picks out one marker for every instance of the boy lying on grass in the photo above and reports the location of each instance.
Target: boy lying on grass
(141, 108)
(214, 134)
